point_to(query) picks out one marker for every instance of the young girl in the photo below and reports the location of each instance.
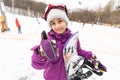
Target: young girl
(57, 18)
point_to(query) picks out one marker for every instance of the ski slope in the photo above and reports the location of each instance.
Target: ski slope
(15, 53)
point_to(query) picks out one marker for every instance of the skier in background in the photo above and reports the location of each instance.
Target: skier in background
(57, 18)
(18, 26)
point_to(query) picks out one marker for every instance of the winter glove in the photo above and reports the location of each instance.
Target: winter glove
(41, 52)
(97, 64)
(48, 46)
(95, 61)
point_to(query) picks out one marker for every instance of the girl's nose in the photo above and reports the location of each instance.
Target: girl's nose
(57, 25)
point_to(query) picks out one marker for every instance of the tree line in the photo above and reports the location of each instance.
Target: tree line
(27, 4)
(101, 15)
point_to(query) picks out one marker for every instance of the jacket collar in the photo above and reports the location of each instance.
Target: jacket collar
(63, 37)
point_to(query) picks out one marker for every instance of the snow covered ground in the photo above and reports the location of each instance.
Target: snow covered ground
(15, 53)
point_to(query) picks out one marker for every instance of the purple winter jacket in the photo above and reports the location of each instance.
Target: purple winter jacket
(55, 70)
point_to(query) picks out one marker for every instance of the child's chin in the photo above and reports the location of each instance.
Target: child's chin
(60, 32)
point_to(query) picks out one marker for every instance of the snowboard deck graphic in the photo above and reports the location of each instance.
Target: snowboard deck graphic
(70, 52)
(74, 64)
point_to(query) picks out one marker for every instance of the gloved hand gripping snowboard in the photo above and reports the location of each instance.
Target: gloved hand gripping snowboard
(48, 46)
(97, 67)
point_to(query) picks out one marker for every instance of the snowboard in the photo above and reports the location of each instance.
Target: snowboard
(75, 65)
(70, 54)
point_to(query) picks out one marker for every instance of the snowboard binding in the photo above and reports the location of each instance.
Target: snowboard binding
(79, 73)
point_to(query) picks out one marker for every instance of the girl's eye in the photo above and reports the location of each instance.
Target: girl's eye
(60, 21)
(52, 23)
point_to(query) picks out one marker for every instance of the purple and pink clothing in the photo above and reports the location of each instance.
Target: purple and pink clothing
(55, 69)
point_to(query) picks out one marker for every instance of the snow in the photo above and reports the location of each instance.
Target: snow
(15, 53)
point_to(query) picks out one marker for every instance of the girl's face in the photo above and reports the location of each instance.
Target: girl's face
(58, 25)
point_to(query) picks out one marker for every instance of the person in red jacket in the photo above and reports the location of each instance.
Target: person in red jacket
(18, 25)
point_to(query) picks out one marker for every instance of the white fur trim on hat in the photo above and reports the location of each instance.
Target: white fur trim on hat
(57, 13)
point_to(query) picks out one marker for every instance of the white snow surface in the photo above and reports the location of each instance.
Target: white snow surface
(15, 53)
